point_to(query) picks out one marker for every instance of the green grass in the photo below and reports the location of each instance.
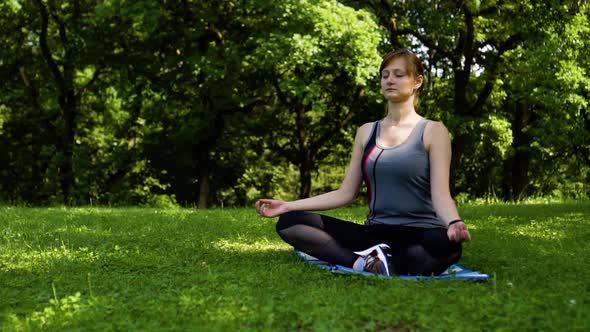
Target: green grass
(97, 269)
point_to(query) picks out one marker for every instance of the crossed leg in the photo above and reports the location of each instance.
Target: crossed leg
(414, 250)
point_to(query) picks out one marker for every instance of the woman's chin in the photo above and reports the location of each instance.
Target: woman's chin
(397, 98)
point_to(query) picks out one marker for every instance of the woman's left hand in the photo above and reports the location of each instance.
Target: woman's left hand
(458, 232)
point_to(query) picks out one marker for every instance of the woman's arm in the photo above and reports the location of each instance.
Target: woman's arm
(438, 145)
(342, 196)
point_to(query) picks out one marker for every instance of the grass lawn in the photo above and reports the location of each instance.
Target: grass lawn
(100, 269)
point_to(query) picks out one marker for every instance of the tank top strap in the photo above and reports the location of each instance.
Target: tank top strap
(417, 138)
(372, 141)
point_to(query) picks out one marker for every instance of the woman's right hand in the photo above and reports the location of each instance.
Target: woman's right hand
(458, 232)
(271, 207)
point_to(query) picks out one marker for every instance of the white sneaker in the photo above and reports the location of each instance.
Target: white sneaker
(376, 259)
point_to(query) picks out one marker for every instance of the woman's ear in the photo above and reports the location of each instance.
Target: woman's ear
(418, 82)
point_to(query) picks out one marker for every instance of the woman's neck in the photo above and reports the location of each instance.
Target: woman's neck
(400, 112)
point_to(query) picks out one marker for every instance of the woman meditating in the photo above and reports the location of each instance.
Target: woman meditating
(412, 226)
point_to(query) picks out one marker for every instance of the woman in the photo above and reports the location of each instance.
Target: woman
(413, 226)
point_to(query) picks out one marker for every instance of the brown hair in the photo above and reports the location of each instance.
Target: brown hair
(413, 64)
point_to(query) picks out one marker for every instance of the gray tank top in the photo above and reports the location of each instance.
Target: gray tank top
(398, 181)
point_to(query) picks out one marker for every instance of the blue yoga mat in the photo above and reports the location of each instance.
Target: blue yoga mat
(454, 272)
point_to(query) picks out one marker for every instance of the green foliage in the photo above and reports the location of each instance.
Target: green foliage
(208, 102)
(557, 98)
(97, 269)
(321, 66)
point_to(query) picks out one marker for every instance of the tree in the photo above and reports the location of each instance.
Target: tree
(549, 123)
(44, 35)
(322, 66)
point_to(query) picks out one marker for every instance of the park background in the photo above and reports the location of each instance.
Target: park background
(218, 103)
(118, 118)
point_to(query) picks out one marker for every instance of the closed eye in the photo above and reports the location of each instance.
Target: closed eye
(397, 73)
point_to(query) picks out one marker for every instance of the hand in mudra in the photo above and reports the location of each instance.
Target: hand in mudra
(458, 232)
(271, 207)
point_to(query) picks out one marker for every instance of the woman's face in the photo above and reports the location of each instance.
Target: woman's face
(397, 83)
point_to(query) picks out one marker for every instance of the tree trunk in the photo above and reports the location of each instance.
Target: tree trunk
(203, 153)
(64, 80)
(66, 168)
(507, 179)
(36, 177)
(305, 178)
(522, 155)
(203, 187)
(458, 146)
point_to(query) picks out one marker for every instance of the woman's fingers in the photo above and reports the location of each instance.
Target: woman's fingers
(259, 203)
(467, 235)
(259, 207)
(463, 235)
(459, 233)
(262, 206)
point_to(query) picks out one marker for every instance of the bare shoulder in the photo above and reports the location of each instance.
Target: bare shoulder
(436, 128)
(435, 131)
(363, 132)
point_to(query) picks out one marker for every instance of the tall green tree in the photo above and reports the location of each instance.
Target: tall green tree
(75, 98)
(201, 50)
(321, 65)
(547, 109)
(46, 55)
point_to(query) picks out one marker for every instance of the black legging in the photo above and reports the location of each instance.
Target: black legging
(415, 251)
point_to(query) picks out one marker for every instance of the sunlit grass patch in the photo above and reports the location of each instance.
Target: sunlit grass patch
(534, 229)
(252, 247)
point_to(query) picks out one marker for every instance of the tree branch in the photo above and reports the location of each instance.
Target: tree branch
(54, 69)
(468, 47)
(34, 93)
(492, 69)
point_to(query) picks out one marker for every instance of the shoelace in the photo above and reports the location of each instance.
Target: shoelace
(372, 264)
